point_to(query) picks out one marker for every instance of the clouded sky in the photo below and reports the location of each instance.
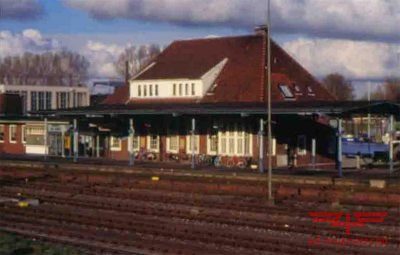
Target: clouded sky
(358, 38)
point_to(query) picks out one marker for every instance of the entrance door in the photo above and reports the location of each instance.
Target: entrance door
(55, 144)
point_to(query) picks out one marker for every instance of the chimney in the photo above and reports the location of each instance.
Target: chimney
(261, 30)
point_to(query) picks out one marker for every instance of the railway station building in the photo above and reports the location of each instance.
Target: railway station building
(207, 98)
(202, 101)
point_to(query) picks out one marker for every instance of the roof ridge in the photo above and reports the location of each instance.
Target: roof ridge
(217, 38)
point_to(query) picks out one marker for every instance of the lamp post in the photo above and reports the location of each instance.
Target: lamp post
(270, 198)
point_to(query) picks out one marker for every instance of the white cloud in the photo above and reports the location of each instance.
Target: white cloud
(354, 59)
(361, 19)
(29, 40)
(102, 58)
(20, 9)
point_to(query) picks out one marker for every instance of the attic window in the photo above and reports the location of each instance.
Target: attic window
(286, 92)
(310, 91)
(297, 89)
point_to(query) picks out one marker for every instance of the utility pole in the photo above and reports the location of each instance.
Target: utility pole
(270, 198)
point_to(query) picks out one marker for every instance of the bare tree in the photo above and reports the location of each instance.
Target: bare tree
(390, 90)
(137, 58)
(59, 68)
(338, 86)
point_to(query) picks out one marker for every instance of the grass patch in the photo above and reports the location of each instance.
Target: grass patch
(15, 245)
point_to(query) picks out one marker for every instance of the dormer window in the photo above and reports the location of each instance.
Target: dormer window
(310, 91)
(286, 92)
(297, 89)
(173, 89)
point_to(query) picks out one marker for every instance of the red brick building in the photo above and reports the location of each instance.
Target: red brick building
(218, 87)
(208, 97)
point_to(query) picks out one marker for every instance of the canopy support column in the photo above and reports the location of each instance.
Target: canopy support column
(193, 143)
(76, 140)
(339, 147)
(130, 143)
(261, 146)
(391, 130)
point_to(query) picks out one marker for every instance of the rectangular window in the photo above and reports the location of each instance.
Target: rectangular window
(193, 89)
(136, 143)
(74, 99)
(34, 103)
(48, 100)
(186, 89)
(1, 133)
(23, 134)
(212, 144)
(145, 91)
(63, 99)
(151, 90)
(236, 140)
(24, 96)
(231, 140)
(12, 133)
(156, 90)
(240, 140)
(302, 145)
(173, 143)
(174, 89)
(153, 143)
(189, 143)
(41, 101)
(223, 142)
(247, 144)
(180, 89)
(286, 92)
(139, 92)
(115, 144)
(35, 135)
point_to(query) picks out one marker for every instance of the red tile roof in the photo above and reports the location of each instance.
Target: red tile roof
(241, 80)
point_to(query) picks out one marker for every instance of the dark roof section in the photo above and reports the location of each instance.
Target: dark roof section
(334, 108)
(242, 78)
(120, 96)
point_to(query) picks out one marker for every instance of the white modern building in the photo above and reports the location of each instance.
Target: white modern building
(34, 136)
(49, 97)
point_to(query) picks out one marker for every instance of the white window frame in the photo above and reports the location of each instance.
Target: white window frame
(149, 143)
(137, 139)
(169, 137)
(227, 136)
(302, 152)
(209, 137)
(189, 145)
(112, 141)
(10, 127)
(2, 126)
(23, 134)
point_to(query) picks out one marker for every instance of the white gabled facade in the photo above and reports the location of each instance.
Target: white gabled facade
(176, 88)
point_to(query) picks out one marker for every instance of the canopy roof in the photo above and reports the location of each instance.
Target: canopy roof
(343, 109)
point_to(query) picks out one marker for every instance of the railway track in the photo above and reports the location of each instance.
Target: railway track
(174, 217)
